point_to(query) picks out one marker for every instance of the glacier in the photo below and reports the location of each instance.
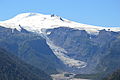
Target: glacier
(38, 23)
(34, 22)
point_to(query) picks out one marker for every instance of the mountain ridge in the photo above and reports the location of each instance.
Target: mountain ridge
(35, 22)
(13, 68)
(50, 40)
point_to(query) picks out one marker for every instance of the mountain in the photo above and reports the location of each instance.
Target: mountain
(82, 46)
(31, 48)
(111, 61)
(47, 40)
(34, 22)
(12, 68)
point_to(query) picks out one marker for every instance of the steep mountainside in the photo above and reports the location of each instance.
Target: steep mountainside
(31, 48)
(47, 40)
(111, 61)
(113, 76)
(12, 68)
(83, 46)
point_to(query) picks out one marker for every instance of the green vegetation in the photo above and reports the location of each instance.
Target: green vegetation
(12, 68)
(88, 76)
(31, 48)
(67, 75)
(114, 76)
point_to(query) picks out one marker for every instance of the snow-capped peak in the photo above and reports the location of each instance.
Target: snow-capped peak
(32, 21)
(35, 22)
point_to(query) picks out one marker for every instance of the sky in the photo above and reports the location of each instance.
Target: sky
(93, 12)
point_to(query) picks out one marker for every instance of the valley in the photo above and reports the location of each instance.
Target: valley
(63, 77)
(62, 49)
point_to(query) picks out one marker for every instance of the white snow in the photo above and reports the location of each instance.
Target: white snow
(35, 22)
(60, 53)
(38, 23)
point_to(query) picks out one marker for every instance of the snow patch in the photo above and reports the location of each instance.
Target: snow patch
(60, 53)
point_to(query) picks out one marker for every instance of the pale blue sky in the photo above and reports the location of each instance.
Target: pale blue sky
(94, 12)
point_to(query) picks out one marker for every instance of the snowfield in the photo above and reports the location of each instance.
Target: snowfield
(60, 53)
(35, 22)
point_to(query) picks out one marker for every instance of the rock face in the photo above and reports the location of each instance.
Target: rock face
(78, 44)
(111, 61)
(53, 44)
(31, 48)
(12, 68)
(83, 46)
